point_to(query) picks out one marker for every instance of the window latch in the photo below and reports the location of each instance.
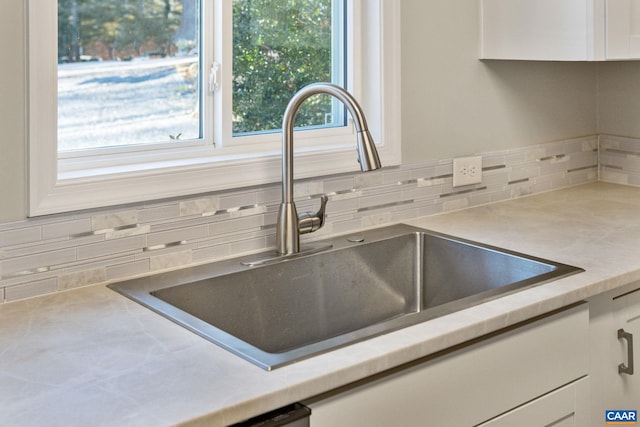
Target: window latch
(214, 77)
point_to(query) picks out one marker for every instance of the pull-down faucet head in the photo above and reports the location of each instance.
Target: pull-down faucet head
(290, 225)
(367, 153)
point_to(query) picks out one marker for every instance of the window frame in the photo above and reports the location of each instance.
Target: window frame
(68, 184)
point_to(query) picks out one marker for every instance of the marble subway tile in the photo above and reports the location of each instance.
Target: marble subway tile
(499, 196)
(614, 176)
(552, 168)
(20, 236)
(583, 158)
(307, 188)
(369, 179)
(455, 204)
(244, 211)
(127, 231)
(238, 200)
(396, 176)
(444, 169)
(239, 224)
(52, 245)
(170, 260)
(554, 150)
(480, 199)
(82, 278)
(36, 262)
(385, 198)
(110, 247)
(203, 206)
(346, 226)
(583, 176)
(542, 185)
(66, 228)
(337, 206)
(526, 172)
(177, 235)
(376, 219)
(404, 214)
(430, 209)
(515, 158)
(211, 253)
(432, 181)
(130, 269)
(159, 213)
(494, 160)
(113, 220)
(248, 245)
(422, 170)
(534, 153)
(345, 195)
(270, 196)
(339, 185)
(186, 222)
(589, 144)
(422, 192)
(31, 289)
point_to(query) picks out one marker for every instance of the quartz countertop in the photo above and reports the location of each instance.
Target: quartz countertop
(93, 357)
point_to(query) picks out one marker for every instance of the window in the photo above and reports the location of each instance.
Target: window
(128, 73)
(146, 99)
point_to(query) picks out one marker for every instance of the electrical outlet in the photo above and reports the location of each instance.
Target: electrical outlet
(467, 171)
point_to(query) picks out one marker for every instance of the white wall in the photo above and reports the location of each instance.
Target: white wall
(453, 104)
(619, 98)
(13, 182)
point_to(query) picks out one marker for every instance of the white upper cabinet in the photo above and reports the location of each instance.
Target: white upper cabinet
(622, 29)
(560, 30)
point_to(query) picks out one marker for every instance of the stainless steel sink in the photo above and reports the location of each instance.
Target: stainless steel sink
(283, 310)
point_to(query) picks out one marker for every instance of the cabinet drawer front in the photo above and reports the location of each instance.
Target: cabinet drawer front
(558, 408)
(472, 384)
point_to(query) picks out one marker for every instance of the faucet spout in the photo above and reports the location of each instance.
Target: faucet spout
(288, 227)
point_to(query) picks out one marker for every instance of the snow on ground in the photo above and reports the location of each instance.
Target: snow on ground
(111, 103)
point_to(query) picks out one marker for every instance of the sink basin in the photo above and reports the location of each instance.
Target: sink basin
(276, 312)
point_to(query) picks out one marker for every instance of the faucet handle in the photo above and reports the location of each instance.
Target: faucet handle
(308, 222)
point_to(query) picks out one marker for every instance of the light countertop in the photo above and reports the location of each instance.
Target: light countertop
(93, 357)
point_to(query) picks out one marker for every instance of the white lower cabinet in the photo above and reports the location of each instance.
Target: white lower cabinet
(615, 320)
(535, 374)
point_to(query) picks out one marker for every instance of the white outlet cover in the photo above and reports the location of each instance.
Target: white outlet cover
(467, 171)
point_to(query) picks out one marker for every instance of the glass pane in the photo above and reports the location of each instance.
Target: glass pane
(128, 72)
(278, 47)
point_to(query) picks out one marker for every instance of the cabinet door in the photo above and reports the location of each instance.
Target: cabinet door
(626, 386)
(611, 389)
(623, 29)
(536, 30)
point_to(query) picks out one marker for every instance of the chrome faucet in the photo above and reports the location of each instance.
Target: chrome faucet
(290, 225)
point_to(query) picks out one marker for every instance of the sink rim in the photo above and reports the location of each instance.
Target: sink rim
(141, 290)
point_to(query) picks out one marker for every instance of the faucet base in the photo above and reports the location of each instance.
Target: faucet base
(287, 232)
(272, 258)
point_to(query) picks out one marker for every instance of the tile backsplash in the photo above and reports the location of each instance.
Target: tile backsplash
(65, 251)
(619, 160)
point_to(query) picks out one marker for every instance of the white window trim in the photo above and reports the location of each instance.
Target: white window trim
(195, 171)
